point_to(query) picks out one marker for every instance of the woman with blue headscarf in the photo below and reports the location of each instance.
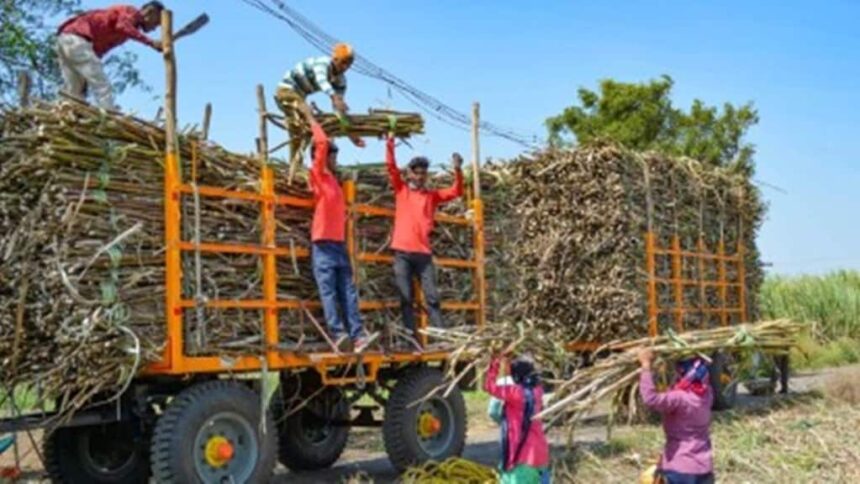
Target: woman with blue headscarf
(686, 411)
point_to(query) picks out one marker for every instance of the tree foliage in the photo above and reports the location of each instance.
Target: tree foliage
(27, 44)
(641, 116)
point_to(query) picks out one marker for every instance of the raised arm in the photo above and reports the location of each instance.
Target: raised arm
(391, 163)
(666, 402)
(505, 393)
(126, 23)
(456, 190)
(321, 147)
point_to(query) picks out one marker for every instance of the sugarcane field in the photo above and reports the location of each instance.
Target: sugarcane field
(236, 250)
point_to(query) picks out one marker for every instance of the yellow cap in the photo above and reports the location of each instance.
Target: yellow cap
(341, 51)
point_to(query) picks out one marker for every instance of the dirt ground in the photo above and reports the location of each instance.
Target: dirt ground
(365, 453)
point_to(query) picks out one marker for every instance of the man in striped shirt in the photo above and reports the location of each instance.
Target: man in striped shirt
(325, 74)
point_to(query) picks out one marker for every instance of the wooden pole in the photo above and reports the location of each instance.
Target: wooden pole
(24, 85)
(207, 119)
(476, 149)
(175, 348)
(264, 136)
(479, 275)
(170, 73)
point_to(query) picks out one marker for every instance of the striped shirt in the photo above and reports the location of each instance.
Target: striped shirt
(312, 75)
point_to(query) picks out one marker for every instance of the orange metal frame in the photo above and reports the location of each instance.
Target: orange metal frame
(700, 256)
(175, 361)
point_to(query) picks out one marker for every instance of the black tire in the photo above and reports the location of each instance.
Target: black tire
(314, 437)
(723, 382)
(100, 454)
(403, 444)
(176, 439)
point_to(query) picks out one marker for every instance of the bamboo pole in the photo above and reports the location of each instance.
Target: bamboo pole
(207, 119)
(172, 213)
(24, 85)
(476, 149)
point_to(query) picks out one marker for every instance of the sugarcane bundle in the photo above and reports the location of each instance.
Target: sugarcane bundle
(615, 378)
(376, 123)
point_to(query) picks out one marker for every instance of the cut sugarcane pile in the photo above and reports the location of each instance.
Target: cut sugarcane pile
(572, 250)
(82, 248)
(81, 241)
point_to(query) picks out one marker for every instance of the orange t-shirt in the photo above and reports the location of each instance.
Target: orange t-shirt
(414, 210)
(330, 208)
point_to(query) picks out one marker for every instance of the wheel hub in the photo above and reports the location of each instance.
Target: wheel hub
(226, 449)
(428, 425)
(219, 451)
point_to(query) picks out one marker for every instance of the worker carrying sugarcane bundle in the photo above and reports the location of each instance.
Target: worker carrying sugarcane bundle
(326, 74)
(83, 40)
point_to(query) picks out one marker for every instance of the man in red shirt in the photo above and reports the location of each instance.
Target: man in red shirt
(414, 212)
(82, 41)
(329, 258)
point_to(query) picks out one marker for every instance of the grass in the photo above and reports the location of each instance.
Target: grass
(798, 440)
(830, 303)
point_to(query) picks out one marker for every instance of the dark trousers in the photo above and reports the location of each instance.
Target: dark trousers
(336, 287)
(407, 266)
(671, 477)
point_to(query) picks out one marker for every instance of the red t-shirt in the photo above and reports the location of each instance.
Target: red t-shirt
(330, 209)
(107, 28)
(414, 210)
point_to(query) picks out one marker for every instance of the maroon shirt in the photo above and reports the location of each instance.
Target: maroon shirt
(107, 28)
(686, 422)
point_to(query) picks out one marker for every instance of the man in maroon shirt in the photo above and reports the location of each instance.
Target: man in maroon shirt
(82, 41)
(414, 212)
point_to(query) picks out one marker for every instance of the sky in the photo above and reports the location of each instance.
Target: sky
(798, 62)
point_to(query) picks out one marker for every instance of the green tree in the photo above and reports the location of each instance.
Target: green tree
(27, 36)
(641, 116)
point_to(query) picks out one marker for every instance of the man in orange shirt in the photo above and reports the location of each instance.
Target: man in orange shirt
(414, 210)
(329, 258)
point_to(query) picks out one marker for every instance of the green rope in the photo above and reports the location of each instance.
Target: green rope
(343, 122)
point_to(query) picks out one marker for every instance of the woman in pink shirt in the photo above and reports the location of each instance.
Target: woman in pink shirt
(525, 451)
(686, 410)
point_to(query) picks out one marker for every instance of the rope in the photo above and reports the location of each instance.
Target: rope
(199, 297)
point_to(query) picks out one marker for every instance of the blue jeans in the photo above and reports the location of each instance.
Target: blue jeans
(334, 282)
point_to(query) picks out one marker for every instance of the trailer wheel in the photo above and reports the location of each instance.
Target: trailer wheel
(314, 437)
(724, 381)
(99, 454)
(211, 433)
(434, 429)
